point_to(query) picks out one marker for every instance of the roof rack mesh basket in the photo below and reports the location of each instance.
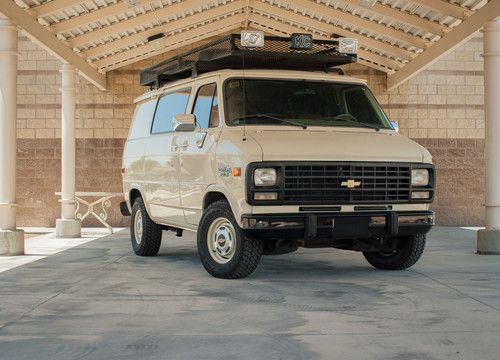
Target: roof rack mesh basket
(228, 53)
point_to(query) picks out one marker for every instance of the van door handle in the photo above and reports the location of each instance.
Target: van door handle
(173, 148)
(184, 145)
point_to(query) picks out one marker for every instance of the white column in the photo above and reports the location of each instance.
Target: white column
(68, 226)
(488, 240)
(11, 239)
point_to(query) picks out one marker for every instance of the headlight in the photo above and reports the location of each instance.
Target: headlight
(264, 177)
(419, 177)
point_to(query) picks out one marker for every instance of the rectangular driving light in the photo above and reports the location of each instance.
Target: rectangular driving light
(252, 39)
(424, 195)
(348, 46)
(265, 196)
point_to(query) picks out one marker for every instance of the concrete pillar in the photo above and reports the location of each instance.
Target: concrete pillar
(68, 226)
(11, 239)
(488, 240)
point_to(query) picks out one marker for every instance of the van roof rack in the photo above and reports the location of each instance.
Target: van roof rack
(228, 53)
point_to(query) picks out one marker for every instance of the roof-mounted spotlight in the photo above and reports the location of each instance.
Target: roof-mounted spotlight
(252, 39)
(367, 3)
(155, 40)
(347, 46)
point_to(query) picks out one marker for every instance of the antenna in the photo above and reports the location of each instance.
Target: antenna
(248, 39)
(244, 100)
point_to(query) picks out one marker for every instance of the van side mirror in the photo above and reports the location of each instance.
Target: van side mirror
(395, 126)
(184, 122)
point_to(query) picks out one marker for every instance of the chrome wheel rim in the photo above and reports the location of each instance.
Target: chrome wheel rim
(221, 240)
(138, 227)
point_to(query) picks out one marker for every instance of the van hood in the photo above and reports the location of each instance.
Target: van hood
(338, 145)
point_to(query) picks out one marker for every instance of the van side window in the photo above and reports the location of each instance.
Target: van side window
(206, 108)
(142, 119)
(169, 105)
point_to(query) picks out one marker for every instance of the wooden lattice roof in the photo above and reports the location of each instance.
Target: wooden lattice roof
(399, 37)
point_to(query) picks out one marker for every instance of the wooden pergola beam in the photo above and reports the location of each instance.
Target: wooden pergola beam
(48, 41)
(403, 16)
(449, 42)
(53, 6)
(101, 13)
(173, 42)
(331, 28)
(166, 28)
(138, 20)
(446, 8)
(273, 25)
(353, 20)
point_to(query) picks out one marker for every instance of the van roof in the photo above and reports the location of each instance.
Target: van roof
(253, 73)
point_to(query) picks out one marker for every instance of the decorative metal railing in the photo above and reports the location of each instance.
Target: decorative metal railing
(96, 208)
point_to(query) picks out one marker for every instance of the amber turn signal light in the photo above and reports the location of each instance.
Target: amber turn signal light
(237, 171)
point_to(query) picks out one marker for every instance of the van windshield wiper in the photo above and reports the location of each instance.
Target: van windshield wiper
(348, 118)
(273, 117)
(368, 125)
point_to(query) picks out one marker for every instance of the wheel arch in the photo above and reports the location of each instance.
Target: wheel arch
(211, 197)
(133, 195)
(218, 192)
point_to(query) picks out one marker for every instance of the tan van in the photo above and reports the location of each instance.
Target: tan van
(268, 157)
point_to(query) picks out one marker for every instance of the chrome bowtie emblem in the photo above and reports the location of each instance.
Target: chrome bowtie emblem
(351, 183)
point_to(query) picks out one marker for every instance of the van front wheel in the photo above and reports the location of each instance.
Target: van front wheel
(406, 254)
(224, 250)
(144, 232)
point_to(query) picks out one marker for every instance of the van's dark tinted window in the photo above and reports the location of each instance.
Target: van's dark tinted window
(142, 119)
(301, 103)
(169, 105)
(206, 108)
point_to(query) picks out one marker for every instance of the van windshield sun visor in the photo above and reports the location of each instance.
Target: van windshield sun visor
(228, 53)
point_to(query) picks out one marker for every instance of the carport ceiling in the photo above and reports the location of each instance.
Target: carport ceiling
(399, 37)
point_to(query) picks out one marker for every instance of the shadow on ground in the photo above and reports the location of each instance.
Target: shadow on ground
(99, 301)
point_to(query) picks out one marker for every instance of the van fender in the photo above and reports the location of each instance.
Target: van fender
(238, 206)
(127, 189)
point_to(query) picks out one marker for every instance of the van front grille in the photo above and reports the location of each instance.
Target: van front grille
(346, 183)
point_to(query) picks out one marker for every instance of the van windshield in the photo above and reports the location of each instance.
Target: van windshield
(301, 103)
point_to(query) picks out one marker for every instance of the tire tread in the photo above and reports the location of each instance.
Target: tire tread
(152, 232)
(408, 257)
(251, 248)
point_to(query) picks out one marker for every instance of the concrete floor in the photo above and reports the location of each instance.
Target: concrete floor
(42, 242)
(99, 301)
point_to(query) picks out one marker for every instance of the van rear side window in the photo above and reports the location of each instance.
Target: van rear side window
(168, 106)
(142, 119)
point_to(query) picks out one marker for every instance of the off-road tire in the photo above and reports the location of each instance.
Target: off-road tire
(150, 242)
(247, 253)
(409, 250)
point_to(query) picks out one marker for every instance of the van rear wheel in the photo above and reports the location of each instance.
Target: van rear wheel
(224, 249)
(406, 254)
(144, 232)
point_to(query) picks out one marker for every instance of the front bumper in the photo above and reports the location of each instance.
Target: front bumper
(338, 225)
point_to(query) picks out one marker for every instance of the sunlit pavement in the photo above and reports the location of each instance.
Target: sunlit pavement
(42, 242)
(99, 301)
